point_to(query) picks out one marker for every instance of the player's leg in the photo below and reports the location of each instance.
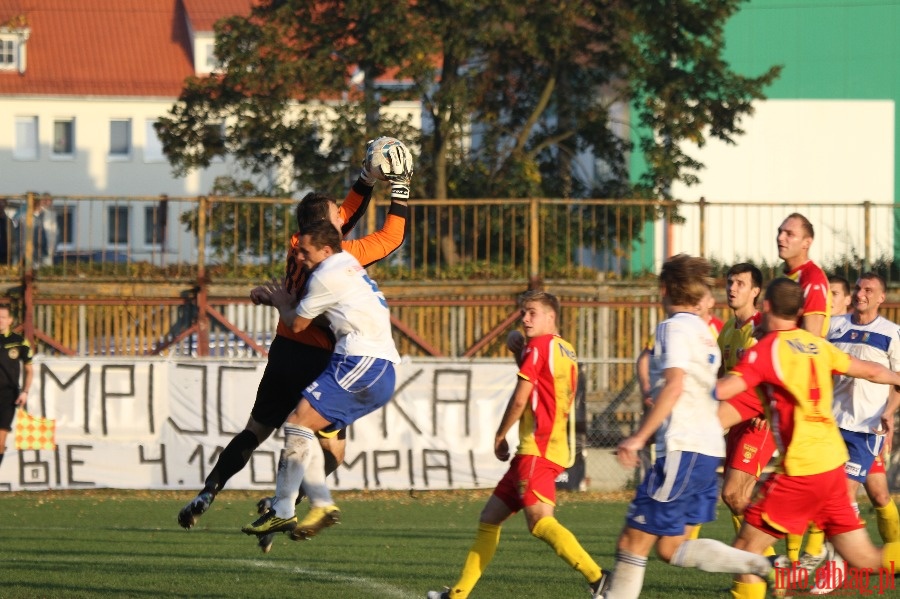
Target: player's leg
(504, 502)
(3, 433)
(539, 500)
(274, 401)
(698, 504)
(301, 453)
(7, 412)
(876, 486)
(756, 541)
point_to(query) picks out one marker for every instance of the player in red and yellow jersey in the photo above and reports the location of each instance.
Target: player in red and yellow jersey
(541, 403)
(749, 445)
(283, 380)
(795, 236)
(794, 369)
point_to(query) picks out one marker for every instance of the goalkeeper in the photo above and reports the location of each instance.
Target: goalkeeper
(282, 382)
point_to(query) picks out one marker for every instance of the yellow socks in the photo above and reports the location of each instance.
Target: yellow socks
(737, 522)
(748, 590)
(890, 556)
(567, 547)
(815, 542)
(888, 522)
(695, 533)
(480, 555)
(793, 546)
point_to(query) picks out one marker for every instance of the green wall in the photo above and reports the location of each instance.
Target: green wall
(847, 49)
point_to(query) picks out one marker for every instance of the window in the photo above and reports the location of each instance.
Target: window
(117, 225)
(9, 50)
(26, 138)
(65, 225)
(64, 138)
(153, 149)
(155, 220)
(212, 63)
(120, 138)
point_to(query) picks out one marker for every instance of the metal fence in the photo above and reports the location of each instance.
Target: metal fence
(478, 239)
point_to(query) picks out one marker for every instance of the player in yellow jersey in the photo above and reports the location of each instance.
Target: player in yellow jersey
(540, 404)
(749, 445)
(794, 368)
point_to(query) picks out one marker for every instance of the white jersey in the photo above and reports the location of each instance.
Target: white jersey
(357, 311)
(684, 341)
(858, 403)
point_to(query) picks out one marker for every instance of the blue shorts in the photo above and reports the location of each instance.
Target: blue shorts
(350, 388)
(863, 449)
(681, 489)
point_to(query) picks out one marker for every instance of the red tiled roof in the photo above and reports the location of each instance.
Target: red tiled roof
(203, 14)
(108, 47)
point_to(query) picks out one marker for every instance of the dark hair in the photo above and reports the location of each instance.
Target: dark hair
(742, 267)
(313, 207)
(686, 279)
(874, 276)
(838, 279)
(785, 298)
(321, 234)
(804, 223)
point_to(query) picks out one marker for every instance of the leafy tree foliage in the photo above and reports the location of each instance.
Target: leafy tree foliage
(520, 98)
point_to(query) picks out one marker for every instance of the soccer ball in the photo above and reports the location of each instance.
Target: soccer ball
(378, 157)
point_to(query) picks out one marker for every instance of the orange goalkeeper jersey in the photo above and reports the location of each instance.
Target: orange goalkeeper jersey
(367, 250)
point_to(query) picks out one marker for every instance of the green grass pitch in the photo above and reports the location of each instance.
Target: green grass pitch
(110, 543)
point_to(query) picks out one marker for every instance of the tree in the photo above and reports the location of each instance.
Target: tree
(520, 98)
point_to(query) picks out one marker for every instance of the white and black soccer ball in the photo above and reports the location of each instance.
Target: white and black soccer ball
(378, 156)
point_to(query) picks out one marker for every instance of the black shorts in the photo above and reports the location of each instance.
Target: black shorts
(291, 368)
(7, 411)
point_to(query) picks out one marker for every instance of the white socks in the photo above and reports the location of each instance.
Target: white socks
(628, 576)
(299, 458)
(710, 555)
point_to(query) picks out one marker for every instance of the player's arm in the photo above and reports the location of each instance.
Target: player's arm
(887, 419)
(355, 204)
(514, 410)
(642, 372)
(385, 241)
(871, 371)
(27, 378)
(662, 408)
(814, 323)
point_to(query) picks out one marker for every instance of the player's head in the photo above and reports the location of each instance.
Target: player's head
(743, 284)
(840, 295)
(685, 280)
(868, 293)
(6, 319)
(540, 313)
(318, 241)
(318, 206)
(795, 236)
(783, 299)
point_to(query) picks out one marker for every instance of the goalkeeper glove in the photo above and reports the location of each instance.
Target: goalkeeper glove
(398, 172)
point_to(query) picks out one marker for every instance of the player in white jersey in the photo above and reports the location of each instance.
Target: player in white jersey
(865, 411)
(681, 490)
(359, 379)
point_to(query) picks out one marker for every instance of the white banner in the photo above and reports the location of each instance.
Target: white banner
(157, 423)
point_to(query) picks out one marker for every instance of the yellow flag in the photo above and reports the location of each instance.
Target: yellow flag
(33, 432)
